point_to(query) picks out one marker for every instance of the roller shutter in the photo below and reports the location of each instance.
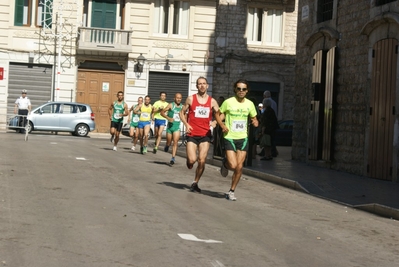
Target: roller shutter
(171, 83)
(34, 78)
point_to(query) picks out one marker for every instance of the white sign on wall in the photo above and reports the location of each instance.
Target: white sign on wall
(305, 12)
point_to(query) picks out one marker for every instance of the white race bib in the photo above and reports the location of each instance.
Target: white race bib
(117, 115)
(136, 119)
(239, 126)
(145, 115)
(202, 112)
(176, 117)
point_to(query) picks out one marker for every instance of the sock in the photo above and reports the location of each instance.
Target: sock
(173, 158)
(231, 190)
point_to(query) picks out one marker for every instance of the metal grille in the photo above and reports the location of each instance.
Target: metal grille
(34, 78)
(383, 2)
(325, 10)
(171, 83)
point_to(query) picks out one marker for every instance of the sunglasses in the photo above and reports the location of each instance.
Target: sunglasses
(242, 89)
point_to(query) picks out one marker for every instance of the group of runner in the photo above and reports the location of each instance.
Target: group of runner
(197, 115)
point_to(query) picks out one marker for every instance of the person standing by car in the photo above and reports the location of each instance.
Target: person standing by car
(199, 107)
(173, 128)
(116, 111)
(134, 123)
(159, 121)
(23, 108)
(236, 110)
(144, 125)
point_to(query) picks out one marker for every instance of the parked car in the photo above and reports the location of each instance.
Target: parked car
(76, 118)
(284, 133)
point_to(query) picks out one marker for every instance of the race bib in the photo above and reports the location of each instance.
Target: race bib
(239, 126)
(176, 117)
(202, 112)
(117, 115)
(145, 115)
(136, 119)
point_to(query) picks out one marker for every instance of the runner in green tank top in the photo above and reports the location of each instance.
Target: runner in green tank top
(134, 123)
(173, 128)
(116, 111)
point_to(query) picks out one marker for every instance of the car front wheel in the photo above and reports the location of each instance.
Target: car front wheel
(82, 130)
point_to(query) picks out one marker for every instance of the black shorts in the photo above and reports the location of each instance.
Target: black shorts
(238, 144)
(198, 139)
(117, 125)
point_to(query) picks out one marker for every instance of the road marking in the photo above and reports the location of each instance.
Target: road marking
(80, 158)
(53, 143)
(191, 237)
(217, 263)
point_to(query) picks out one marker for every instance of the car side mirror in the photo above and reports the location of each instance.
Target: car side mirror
(40, 111)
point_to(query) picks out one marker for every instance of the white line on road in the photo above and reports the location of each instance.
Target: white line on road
(80, 158)
(217, 263)
(191, 237)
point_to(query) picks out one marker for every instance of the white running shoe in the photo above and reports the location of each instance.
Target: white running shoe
(133, 148)
(114, 149)
(230, 196)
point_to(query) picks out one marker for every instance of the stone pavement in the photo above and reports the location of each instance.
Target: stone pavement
(371, 195)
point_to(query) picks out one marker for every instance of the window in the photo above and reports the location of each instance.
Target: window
(68, 108)
(44, 13)
(176, 24)
(22, 13)
(383, 2)
(325, 10)
(265, 27)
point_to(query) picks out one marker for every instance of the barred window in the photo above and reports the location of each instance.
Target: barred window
(325, 10)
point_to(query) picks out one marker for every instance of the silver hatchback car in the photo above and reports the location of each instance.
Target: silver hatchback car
(76, 118)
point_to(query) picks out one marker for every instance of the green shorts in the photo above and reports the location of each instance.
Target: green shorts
(173, 127)
(134, 124)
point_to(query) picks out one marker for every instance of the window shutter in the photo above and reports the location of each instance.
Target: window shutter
(19, 13)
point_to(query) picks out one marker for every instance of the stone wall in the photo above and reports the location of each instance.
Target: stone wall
(353, 81)
(257, 63)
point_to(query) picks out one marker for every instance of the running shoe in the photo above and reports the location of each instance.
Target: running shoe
(133, 148)
(114, 149)
(172, 161)
(166, 148)
(230, 196)
(112, 139)
(189, 166)
(155, 150)
(223, 170)
(145, 150)
(141, 150)
(194, 188)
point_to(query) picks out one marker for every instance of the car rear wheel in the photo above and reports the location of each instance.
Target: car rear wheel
(82, 130)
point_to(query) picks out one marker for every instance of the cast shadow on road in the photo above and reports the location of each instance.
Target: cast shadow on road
(187, 188)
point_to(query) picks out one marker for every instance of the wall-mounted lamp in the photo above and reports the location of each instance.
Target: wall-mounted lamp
(138, 68)
(167, 66)
(31, 57)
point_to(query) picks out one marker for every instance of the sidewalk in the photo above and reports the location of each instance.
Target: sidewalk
(371, 195)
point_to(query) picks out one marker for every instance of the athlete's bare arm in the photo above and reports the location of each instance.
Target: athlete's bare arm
(183, 112)
(163, 112)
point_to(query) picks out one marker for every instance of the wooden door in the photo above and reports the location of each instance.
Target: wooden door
(382, 109)
(99, 90)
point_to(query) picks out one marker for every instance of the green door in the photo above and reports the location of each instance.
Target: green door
(103, 14)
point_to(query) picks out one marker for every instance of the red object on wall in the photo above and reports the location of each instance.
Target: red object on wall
(1, 73)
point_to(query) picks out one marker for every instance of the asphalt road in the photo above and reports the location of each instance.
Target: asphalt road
(67, 201)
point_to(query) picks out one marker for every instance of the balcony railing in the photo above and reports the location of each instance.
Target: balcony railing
(99, 39)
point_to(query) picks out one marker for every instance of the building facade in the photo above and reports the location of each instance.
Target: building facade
(256, 40)
(345, 114)
(88, 50)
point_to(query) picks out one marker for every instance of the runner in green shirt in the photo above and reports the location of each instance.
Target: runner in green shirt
(116, 111)
(173, 128)
(236, 110)
(134, 123)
